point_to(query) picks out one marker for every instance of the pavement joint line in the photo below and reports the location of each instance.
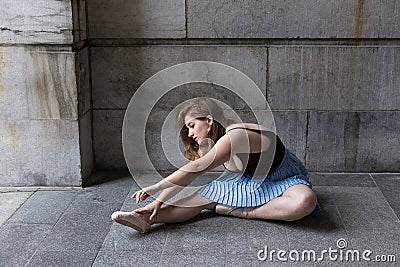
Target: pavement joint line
(387, 201)
(15, 210)
(51, 230)
(101, 249)
(343, 224)
(10, 189)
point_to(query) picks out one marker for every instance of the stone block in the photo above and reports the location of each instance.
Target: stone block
(107, 139)
(40, 152)
(136, 19)
(86, 146)
(332, 148)
(83, 81)
(36, 22)
(379, 142)
(79, 17)
(334, 78)
(291, 127)
(39, 81)
(292, 19)
(117, 72)
(353, 141)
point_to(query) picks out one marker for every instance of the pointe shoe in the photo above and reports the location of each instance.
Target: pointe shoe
(224, 210)
(131, 219)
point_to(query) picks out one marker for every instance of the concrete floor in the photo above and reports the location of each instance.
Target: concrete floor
(72, 227)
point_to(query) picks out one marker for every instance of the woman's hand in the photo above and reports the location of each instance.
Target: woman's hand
(152, 208)
(145, 193)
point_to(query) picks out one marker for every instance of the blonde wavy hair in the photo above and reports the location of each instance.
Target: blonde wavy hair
(200, 108)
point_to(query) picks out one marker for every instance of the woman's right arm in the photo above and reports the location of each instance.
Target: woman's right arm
(219, 154)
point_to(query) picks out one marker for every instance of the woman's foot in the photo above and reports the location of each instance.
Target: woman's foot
(137, 221)
(233, 211)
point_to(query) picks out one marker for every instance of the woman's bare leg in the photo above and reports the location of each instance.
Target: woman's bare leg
(296, 202)
(183, 209)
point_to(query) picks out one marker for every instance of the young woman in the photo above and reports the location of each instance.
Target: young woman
(262, 178)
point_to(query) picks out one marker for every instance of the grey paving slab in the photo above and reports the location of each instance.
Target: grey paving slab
(360, 216)
(44, 207)
(63, 258)
(127, 258)
(19, 242)
(357, 212)
(10, 202)
(186, 239)
(342, 179)
(114, 191)
(197, 259)
(381, 239)
(357, 196)
(269, 257)
(389, 184)
(83, 226)
(122, 238)
(247, 237)
(316, 232)
(324, 196)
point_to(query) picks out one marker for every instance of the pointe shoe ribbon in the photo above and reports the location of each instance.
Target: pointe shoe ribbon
(131, 219)
(224, 210)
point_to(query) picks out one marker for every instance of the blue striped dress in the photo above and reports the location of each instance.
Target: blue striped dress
(242, 190)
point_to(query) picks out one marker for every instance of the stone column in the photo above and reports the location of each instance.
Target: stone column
(39, 114)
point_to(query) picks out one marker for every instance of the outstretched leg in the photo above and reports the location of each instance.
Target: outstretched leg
(183, 209)
(295, 203)
(179, 211)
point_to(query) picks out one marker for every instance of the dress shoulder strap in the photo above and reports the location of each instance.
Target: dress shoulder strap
(263, 132)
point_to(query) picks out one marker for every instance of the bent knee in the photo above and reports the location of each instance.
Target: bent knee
(306, 203)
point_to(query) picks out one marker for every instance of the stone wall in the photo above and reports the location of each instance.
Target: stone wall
(329, 70)
(39, 111)
(68, 69)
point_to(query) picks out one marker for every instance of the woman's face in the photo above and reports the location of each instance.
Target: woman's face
(198, 128)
